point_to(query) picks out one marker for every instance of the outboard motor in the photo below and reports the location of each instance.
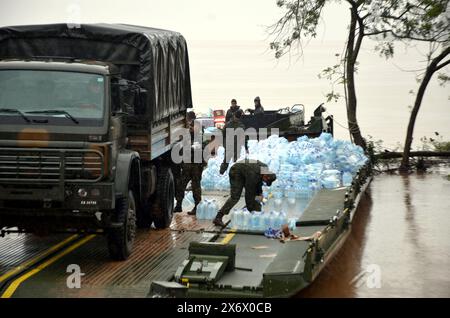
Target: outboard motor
(319, 110)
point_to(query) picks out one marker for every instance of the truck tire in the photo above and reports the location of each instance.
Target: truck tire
(144, 215)
(162, 211)
(120, 240)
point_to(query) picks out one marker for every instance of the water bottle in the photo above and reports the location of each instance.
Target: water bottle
(257, 221)
(239, 219)
(233, 217)
(216, 207)
(273, 219)
(277, 221)
(290, 194)
(266, 221)
(212, 210)
(347, 179)
(278, 204)
(283, 219)
(207, 209)
(190, 197)
(253, 221)
(246, 220)
(201, 211)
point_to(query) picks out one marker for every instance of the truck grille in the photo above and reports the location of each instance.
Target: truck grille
(50, 165)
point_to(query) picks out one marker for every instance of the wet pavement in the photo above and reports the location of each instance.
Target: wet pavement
(400, 241)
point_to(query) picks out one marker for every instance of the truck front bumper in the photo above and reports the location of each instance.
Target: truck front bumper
(69, 201)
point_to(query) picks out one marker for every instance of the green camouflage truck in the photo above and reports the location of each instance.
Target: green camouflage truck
(88, 116)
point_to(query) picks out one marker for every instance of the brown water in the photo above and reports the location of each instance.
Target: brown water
(400, 242)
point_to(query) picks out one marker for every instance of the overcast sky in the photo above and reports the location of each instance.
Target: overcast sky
(197, 19)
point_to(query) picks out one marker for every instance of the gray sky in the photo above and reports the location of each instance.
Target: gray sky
(229, 57)
(196, 19)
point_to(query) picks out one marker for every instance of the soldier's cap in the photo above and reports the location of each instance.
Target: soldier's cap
(233, 101)
(270, 175)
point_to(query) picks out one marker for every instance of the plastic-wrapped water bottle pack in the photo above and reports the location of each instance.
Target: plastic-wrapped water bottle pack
(207, 209)
(242, 219)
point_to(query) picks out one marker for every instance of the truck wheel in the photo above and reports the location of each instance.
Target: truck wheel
(120, 240)
(165, 195)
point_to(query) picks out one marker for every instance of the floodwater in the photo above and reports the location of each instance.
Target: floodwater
(400, 241)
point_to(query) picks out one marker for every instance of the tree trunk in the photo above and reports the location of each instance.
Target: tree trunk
(431, 69)
(395, 155)
(352, 55)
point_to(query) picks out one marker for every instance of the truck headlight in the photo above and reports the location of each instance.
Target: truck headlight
(82, 193)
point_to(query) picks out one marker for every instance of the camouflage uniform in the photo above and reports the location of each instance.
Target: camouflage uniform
(232, 124)
(190, 172)
(245, 174)
(230, 113)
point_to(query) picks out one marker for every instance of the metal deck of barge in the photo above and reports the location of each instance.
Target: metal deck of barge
(32, 266)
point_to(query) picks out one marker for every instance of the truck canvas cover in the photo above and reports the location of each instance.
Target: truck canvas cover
(141, 54)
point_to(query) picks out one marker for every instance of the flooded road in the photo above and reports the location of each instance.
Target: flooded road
(400, 242)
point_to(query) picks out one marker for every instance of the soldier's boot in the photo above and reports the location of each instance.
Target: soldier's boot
(178, 208)
(194, 210)
(218, 220)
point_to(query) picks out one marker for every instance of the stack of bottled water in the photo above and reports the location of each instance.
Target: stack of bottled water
(242, 219)
(303, 166)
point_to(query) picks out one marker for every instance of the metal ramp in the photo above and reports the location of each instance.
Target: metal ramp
(323, 207)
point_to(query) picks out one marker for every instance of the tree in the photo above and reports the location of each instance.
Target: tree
(387, 20)
(420, 21)
(436, 64)
(411, 22)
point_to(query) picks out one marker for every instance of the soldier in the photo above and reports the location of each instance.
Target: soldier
(233, 109)
(235, 123)
(248, 175)
(259, 109)
(190, 172)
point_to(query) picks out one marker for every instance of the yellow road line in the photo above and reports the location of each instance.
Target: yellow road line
(16, 283)
(37, 258)
(228, 237)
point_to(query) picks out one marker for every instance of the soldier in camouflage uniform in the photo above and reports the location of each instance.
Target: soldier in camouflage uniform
(234, 123)
(190, 172)
(249, 175)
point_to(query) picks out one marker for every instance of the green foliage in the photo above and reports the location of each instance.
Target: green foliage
(334, 74)
(332, 96)
(385, 49)
(300, 20)
(435, 144)
(386, 20)
(373, 147)
(443, 79)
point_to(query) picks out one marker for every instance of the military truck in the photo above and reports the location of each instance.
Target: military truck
(88, 118)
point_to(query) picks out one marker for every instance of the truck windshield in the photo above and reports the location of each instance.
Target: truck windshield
(51, 97)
